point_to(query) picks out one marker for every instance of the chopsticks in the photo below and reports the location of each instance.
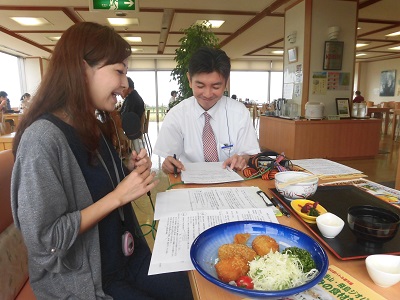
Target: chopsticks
(297, 180)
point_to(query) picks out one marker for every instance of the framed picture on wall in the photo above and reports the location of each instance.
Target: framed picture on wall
(292, 54)
(388, 83)
(333, 55)
(343, 107)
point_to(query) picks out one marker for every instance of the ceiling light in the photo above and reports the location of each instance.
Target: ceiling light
(123, 21)
(393, 33)
(358, 28)
(27, 21)
(359, 45)
(136, 50)
(133, 39)
(395, 48)
(360, 54)
(277, 52)
(212, 23)
(53, 38)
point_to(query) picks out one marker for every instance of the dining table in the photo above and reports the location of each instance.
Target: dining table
(383, 110)
(204, 290)
(6, 141)
(13, 116)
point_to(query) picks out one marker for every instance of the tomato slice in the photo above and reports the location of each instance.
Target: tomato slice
(245, 282)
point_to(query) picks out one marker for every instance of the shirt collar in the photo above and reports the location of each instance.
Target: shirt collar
(199, 111)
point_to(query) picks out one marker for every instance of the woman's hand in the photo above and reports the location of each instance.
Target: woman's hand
(169, 164)
(136, 184)
(236, 162)
(136, 160)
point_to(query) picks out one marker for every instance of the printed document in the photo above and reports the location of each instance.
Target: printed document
(208, 173)
(175, 234)
(321, 166)
(195, 199)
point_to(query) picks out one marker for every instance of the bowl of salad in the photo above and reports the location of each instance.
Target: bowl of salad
(295, 263)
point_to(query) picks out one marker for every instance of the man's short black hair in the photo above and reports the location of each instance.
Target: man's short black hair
(3, 94)
(208, 60)
(173, 93)
(131, 83)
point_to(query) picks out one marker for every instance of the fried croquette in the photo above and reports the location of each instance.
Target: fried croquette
(263, 244)
(241, 238)
(232, 268)
(231, 250)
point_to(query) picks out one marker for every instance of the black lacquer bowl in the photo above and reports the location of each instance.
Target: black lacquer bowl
(373, 224)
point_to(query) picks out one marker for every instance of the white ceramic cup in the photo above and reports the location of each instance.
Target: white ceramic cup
(384, 269)
(329, 225)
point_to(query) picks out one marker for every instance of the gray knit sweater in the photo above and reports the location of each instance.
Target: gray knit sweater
(48, 191)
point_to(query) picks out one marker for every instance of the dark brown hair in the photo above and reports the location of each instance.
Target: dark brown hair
(64, 84)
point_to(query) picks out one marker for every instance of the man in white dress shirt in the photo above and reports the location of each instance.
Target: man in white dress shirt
(182, 129)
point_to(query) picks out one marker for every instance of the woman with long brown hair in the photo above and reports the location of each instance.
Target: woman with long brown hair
(71, 193)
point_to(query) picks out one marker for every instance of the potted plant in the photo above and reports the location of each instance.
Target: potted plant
(196, 36)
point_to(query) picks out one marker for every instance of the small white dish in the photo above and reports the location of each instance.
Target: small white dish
(384, 269)
(329, 225)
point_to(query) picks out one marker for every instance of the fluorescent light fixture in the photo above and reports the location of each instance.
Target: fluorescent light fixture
(360, 54)
(358, 28)
(395, 48)
(28, 21)
(53, 38)
(212, 23)
(123, 21)
(393, 33)
(137, 50)
(277, 52)
(133, 39)
(359, 45)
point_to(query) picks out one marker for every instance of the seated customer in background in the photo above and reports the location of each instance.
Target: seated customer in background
(358, 98)
(232, 137)
(133, 101)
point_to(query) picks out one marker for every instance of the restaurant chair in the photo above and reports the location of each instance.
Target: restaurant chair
(145, 136)
(121, 142)
(370, 103)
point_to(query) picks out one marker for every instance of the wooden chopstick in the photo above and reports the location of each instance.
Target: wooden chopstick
(297, 180)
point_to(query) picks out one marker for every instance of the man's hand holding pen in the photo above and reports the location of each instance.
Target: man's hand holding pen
(172, 165)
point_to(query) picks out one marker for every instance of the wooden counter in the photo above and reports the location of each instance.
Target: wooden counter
(342, 139)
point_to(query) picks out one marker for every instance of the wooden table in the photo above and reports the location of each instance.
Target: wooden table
(15, 117)
(384, 110)
(6, 141)
(396, 113)
(204, 290)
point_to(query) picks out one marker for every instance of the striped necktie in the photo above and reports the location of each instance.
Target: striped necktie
(209, 143)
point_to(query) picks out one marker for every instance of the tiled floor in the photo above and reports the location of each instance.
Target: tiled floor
(382, 169)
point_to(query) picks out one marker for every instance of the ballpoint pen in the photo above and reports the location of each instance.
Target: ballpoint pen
(280, 206)
(175, 169)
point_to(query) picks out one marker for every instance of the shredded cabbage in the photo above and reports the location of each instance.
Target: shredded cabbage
(277, 271)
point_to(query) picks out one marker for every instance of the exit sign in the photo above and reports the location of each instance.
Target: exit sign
(130, 5)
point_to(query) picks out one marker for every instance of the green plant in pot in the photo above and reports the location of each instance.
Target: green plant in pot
(196, 36)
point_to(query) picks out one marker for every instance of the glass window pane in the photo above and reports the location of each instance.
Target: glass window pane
(165, 85)
(251, 85)
(145, 85)
(276, 85)
(9, 78)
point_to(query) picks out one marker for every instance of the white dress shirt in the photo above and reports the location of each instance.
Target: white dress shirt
(182, 129)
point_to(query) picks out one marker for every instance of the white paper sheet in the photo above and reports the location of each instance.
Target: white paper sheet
(208, 173)
(175, 234)
(321, 166)
(170, 202)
